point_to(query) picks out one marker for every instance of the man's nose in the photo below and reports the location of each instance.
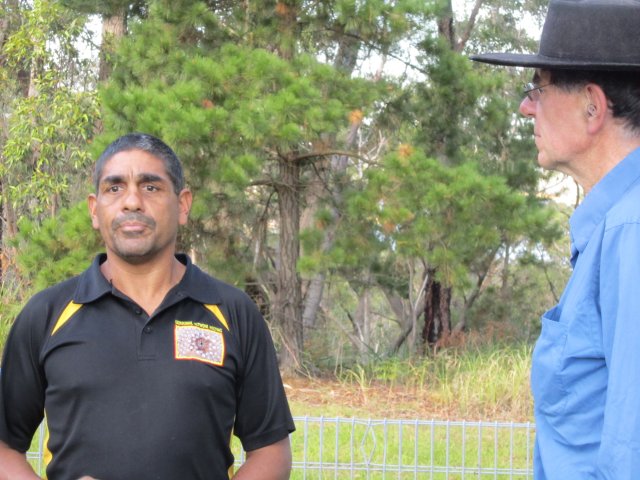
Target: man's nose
(527, 107)
(133, 199)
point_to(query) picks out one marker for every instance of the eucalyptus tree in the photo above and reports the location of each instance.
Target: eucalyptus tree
(48, 112)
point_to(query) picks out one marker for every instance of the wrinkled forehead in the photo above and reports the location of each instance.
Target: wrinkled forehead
(133, 164)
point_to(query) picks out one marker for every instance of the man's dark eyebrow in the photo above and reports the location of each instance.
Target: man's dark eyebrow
(141, 178)
(150, 178)
(112, 179)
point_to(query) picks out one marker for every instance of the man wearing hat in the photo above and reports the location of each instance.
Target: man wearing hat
(584, 100)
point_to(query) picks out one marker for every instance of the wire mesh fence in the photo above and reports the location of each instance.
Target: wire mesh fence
(352, 448)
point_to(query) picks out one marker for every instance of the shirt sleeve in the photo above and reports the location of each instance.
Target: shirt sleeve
(22, 382)
(619, 455)
(263, 416)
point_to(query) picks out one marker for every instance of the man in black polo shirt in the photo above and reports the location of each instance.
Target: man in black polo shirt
(144, 365)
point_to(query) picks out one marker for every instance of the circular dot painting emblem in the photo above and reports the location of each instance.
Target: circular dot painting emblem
(197, 343)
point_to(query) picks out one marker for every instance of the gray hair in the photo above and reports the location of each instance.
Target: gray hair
(621, 88)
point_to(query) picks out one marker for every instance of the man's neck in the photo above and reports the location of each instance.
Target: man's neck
(147, 283)
(603, 156)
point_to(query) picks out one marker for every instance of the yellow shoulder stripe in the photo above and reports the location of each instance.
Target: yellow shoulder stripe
(218, 313)
(66, 314)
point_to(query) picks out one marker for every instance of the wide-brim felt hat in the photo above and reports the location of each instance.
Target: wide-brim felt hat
(583, 35)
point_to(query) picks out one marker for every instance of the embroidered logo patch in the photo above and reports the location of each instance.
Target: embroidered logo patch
(199, 341)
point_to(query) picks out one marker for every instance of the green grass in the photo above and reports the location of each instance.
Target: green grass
(409, 447)
(343, 448)
(481, 382)
(490, 382)
(476, 382)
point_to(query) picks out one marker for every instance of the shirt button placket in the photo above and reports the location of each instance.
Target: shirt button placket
(146, 349)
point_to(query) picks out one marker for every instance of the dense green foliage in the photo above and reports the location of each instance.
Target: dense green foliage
(49, 252)
(56, 249)
(44, 148)
(353, 201)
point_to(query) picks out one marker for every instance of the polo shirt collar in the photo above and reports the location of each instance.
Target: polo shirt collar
(194, 284)
(92, 284)
(604, 195)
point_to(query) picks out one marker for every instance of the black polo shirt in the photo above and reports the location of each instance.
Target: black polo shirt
(128, 396)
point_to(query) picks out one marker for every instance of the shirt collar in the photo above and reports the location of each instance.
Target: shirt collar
(600, 199)
(194, 284)
(198, 285)
(92, 284)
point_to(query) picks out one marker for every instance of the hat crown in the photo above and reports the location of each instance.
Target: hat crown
(583, 34)
(596, 31)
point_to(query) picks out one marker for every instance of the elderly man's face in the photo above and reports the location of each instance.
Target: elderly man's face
(559, 124)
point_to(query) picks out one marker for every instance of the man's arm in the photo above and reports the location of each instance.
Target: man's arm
(272, 462)
(14, 465)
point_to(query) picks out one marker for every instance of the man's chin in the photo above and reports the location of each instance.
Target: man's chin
(138, 252)
(543, 162)
(135, 257)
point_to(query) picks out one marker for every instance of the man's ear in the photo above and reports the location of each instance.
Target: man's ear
(185, 198)
(92, 201)
(596, 107)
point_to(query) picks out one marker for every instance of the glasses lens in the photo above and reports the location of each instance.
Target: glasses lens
(532, 91)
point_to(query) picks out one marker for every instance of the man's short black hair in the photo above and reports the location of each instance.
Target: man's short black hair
(147, 143)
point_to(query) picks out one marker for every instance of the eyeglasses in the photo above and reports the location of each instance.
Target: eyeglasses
(533, 91)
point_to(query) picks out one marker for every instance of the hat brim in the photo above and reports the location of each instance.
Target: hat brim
(540, 61)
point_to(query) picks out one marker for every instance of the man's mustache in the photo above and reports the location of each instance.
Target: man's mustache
(134, 218)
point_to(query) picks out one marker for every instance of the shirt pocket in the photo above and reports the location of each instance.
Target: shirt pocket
(547, 386)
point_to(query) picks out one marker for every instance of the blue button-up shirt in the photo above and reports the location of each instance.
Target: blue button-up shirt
(585, 376)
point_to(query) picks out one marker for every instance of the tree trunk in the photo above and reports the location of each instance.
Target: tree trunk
(315, 191)
(402, 310)
(315, 288)
(8, 230)
(312, 299)
(287, 308)
(337, 168)
(345, 61)
(348, 51)
(482, 273)
(446, 28)
(363, 324)
(9, 21)
(113, 29)
(446, 25)
(407, 311)
(357, 318)
(437, 312)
